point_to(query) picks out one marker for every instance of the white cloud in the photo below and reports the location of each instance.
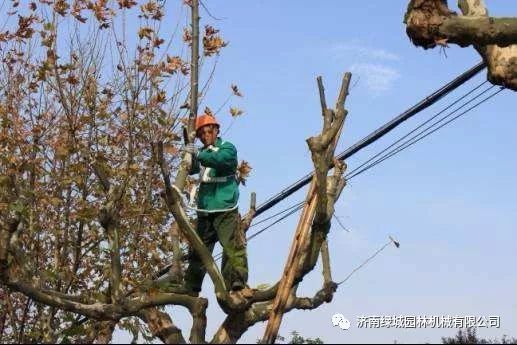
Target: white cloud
(378, 78)
(360, 51)
(369, 64)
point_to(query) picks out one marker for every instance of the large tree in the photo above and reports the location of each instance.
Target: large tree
(92, 112)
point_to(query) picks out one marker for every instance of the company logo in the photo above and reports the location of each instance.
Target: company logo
(341, 321)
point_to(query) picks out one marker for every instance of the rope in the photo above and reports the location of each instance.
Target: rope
(365, 262)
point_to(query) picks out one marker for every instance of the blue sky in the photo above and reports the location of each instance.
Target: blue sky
(449, 200)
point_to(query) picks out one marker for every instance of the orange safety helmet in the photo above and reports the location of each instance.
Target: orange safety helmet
(205, 120)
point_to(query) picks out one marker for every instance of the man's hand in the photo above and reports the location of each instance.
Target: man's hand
(190, 148)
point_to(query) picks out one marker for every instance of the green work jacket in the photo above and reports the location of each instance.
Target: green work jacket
(218, 187)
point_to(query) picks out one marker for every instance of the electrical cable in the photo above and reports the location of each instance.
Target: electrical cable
(420, 126)
(419, 133)
(297, 208)
(380, 132)
(411, 141)
(415, 139)
(278, 213)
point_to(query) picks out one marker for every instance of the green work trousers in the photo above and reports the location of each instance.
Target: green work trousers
(225, 228)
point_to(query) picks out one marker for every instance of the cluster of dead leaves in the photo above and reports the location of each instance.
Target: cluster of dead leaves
(235, 90)
(101, 12)
(61, 6)
(234, 111)
(25, 29)
(187, 36)
(243, 172)
(76, 12)
(152, 10)
(146, 32)
(208, 112)
(126, 3)
(173, 64)
(212, 42)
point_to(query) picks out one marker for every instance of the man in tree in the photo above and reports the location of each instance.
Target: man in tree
(218, 216)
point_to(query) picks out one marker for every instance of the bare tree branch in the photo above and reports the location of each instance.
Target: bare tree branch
(234, 326)
(317, 210)
(246, 221)
(325, 259)
(431, 21)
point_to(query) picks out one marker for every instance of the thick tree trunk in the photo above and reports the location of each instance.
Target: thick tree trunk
(431, 23)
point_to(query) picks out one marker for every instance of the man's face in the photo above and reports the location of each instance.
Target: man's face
(208, 134)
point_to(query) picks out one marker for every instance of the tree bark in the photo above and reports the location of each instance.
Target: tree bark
(431, 23)
(161, 326)
(317, 211)
(103, 332)
(501, 61)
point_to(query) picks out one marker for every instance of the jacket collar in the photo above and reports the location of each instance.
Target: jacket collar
(217, 143)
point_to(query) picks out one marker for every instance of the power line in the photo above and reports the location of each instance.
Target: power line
(415, 139)
(351, 173)
(294, 210)
(380, 132)
(366, 141)
(420, 126)
(339, 223)
(278, 213)
(411, 141)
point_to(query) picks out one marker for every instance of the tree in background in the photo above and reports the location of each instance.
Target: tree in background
(296, 338)
(469, 336)
(84, 94)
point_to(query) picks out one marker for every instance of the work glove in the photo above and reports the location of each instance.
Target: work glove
(190, 148)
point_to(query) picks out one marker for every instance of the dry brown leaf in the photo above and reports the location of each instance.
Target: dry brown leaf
(243, 172)
(234, 111)
(170, 149)
(146, 32)
(61, 6)
(208, 112)
(187, 36)
(236, 91)
(126, 3)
